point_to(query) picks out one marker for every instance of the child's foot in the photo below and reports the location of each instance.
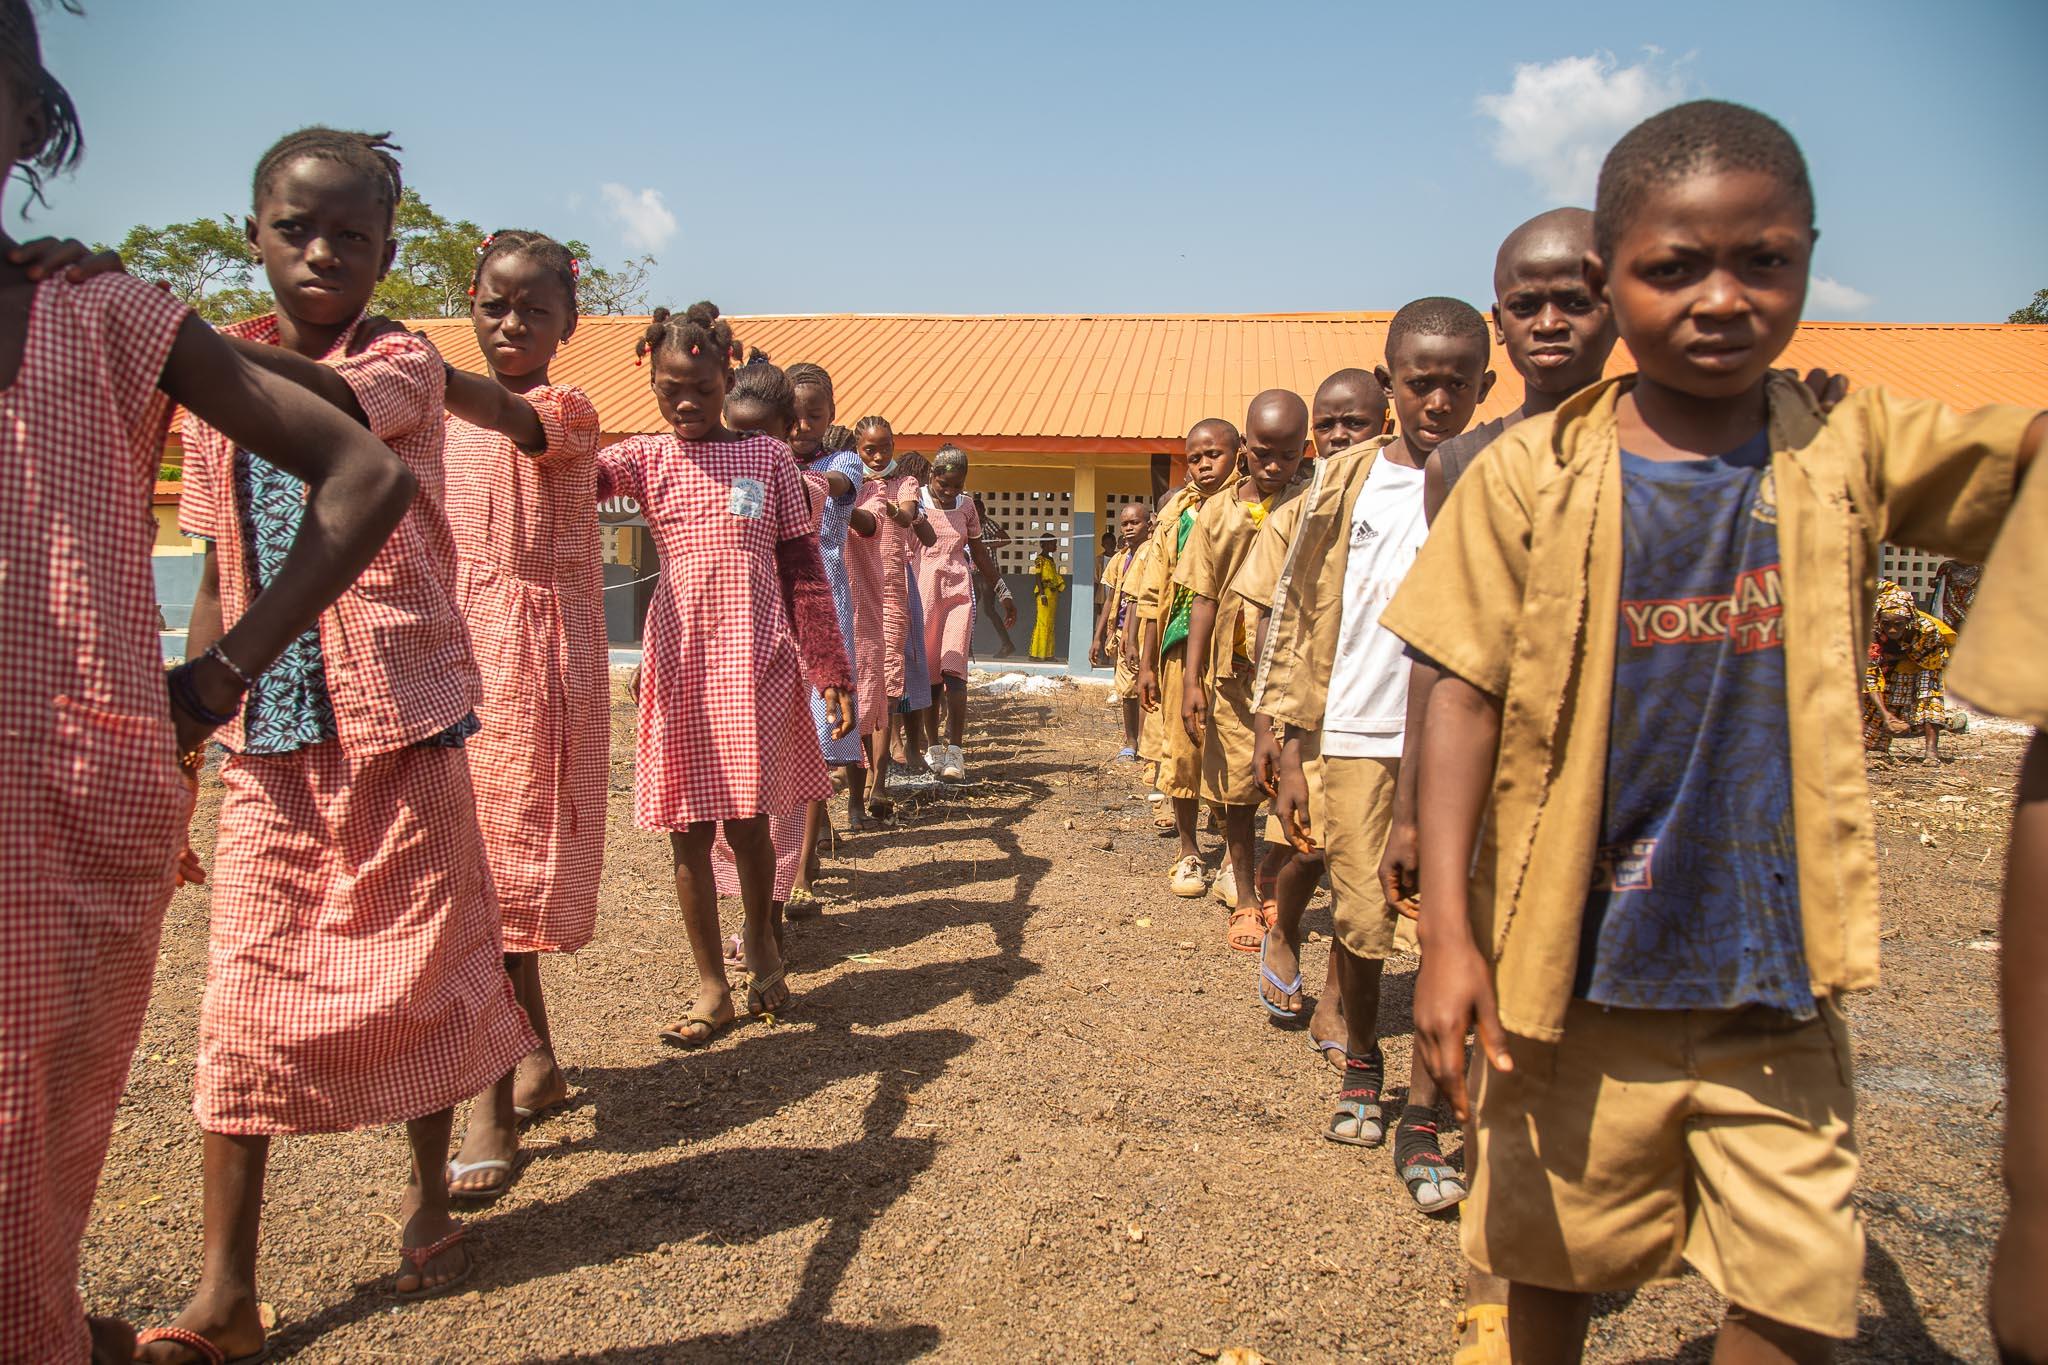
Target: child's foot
(485, 1166)
(418, 1274)
(538, 1086)
(1433, 1183)
(225, 1318)
(1126, 755)
(1359, 1121)
(953, 765)
(1283, 962)
(112, 1340)
(1224, 888)
(1186, 879)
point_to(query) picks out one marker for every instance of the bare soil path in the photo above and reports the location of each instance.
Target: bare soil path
(1024, 1104)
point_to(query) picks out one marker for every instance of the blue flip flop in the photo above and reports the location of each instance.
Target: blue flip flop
(1292, 1016)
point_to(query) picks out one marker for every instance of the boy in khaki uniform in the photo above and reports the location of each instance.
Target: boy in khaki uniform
(1110, 647)
(1216, 700)
(1676, 876)
(1166, 612)
(1998, 667)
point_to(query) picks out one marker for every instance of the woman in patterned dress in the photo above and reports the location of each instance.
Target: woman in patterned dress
(1902, 682)
(725, 738)
(522, 487)
(890, 495)
(354, 972)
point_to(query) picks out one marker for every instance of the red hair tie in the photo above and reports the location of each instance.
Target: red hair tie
(485, 244)
(575, 269)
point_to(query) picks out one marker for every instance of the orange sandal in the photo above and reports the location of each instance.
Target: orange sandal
(1245, 939)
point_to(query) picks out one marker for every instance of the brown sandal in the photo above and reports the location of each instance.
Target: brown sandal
(1248, 938)
(683, 1034)
(767, 994)
(418, 1258)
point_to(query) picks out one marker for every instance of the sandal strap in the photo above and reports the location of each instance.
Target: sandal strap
(419, 1256)
(186, 1337)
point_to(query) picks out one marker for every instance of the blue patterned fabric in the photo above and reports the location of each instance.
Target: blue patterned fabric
(917, 673)
(287, 707)
(832, 549)
(1695, 897)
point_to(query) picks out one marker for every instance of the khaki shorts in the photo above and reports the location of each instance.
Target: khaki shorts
(1227, 746)
(1720, 1137)
(1125, 684)
(1166, 740)
(1358, 810)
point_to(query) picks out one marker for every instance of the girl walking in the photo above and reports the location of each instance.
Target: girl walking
(725, 738)
(890, 494)
(945, 581)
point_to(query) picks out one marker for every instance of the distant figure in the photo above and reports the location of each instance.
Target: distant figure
(1902, 683)
(1047, 585)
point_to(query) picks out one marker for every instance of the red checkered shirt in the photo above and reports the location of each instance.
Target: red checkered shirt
(398, 663)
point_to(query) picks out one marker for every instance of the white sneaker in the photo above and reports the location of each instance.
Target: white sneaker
(1224, 888)
(1187, 879)
(934, 756)
(952, 764)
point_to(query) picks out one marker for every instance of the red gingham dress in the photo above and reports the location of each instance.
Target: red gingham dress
(945, 580)
(530, 587)
(93, 805)
(354, 972)
(725, 715)
(897, 550)
(863, 559)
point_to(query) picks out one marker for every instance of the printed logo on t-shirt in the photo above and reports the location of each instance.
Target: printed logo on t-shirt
(1625, 867)
(1362, 533)
(1752, 616)
(749, 498)
(1765, 508)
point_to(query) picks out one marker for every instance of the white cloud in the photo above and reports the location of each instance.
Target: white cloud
(646, 222)
(1831, 298)
(1558, 119)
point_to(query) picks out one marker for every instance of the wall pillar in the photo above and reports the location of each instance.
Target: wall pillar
(1081, 583)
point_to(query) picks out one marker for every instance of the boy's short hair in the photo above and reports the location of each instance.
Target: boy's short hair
(1438, 316)
(1704, 135)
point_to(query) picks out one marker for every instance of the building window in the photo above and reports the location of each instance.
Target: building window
(1026, 517)
(1912, 570)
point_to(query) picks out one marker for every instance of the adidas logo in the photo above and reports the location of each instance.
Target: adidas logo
(1363, 532)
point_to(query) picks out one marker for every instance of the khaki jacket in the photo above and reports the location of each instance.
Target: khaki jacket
(1998, 661)
(1217, 548)
(1527, 551)
(1153, 589)
(1296, 574)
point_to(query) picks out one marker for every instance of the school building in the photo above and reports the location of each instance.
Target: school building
(1066, 418)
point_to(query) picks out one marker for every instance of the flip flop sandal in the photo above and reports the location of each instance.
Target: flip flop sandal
(419, 1256)
(458, 1169)
(1433, 1183)
(1323, 1047)
(1266, 976)
(1269, 912)
(541, 1111)
(200, 1346)
(1359, 1121)
(766, 994)
(681, 1035)
(1490, 1339)
(803, 903)
(1251, 937)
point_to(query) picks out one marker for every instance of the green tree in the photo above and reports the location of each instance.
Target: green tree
(206, 262)
(2037, 311)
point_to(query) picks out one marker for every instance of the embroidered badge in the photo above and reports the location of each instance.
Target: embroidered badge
(749, 498)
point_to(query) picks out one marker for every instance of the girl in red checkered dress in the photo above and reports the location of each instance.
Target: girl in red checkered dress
(725, 736)
(891, 495)
(354, 973)
(522, 487)
(96, 803)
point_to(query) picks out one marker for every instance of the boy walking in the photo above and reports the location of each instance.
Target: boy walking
(1676, 879)
(1113, 645)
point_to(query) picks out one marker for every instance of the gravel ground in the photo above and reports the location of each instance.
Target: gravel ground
(1023, 1105)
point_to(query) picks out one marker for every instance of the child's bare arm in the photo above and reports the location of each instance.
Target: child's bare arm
(1460, 741)
(993, 581)
(862, 522)
(1194, 696)
(1398, 862)
(2019, 1311)
(307, 374)
(1148, 666)
(486, 403)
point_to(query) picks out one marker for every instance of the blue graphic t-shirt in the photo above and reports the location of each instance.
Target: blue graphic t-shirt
(1695, 899)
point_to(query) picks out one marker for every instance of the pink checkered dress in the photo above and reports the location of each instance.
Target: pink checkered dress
(945, 580)
(354, 972)
(897, 551)
(725, 717)
(530, 585)
(93, 805)
(863, 559)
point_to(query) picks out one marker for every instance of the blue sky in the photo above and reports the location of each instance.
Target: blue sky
(1101, 157)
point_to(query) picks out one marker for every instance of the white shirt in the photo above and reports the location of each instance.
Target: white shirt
(1367, 710)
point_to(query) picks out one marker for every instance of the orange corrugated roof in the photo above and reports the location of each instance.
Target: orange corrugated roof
(1136, 382)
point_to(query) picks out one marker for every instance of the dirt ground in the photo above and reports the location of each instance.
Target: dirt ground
(1024, 1104)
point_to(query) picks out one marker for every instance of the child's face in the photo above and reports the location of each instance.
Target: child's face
(1437, 382)
(876, 448)
(1708, 280)
(1132, 523)
(813, 417)
(323, 239)
(521, 313)
(1211, 456)
(1556, 330)
(751, 414)
(949, 484)
(1345, 415)
(690, 391)
(1273, 451)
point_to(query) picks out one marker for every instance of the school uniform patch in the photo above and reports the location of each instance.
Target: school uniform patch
(749, 498)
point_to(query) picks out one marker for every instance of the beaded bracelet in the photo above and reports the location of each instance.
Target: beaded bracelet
(179, 682)
(215, 653)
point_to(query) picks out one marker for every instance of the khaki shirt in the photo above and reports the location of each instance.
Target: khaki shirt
(1154, 590)
(1217, 548)
(1527, 551)
(1296, 573)
(2001, 662)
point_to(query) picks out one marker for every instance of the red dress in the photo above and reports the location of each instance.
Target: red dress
(93, 804)
(945, 580)
(530, 587)
(354, 971)
(897, 551)
(725, 716)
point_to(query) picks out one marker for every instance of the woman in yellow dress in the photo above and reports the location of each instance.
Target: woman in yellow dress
(1046, 588)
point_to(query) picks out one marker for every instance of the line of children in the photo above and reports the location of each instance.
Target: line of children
(1675, 872)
